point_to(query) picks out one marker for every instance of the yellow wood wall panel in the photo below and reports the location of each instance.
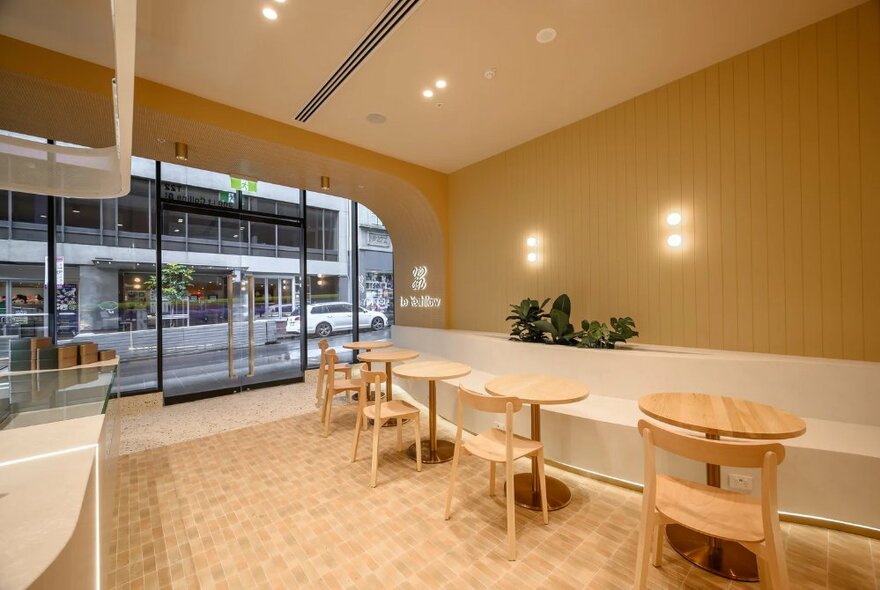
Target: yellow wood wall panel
(869, 118)
(850, 184)
(775, 197)
(772, 159)
(757, 221)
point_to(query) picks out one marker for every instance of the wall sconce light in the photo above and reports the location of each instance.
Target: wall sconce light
(532, 257)
(532, 241)
(673, 218)
(181, 151)
(674, 240)
(325, 183)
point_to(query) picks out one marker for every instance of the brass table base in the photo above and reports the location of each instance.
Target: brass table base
(724, 558)
(527, 492)
(444, 452)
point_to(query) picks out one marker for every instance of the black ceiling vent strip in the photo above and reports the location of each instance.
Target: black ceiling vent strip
(393, 16)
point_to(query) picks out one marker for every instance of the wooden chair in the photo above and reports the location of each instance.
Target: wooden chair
(752, 522)
(343, 368)
(334, 386)
(497, 447)
(380, 412)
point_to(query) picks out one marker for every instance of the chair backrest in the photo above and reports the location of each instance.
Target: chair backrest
(371, 379)
(717, 452)
(489, 403)
(766, 456)
(322, 361)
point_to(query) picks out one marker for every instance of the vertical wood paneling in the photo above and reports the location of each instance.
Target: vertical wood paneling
(869, 114)
(776, 276)
(700, 219)
(758, 202)
(811, 238)
(772, 158)
(850, 184)
(829, 188)
(729, 252)
(713, 208)
(791, 190)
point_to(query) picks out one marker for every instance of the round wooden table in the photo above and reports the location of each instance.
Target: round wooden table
(433, 450)
(717, 416)
(387, 356)
(536, 390)
(367, 345)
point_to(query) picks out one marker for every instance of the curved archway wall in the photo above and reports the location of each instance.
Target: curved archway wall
(49, 94)
(771, 157)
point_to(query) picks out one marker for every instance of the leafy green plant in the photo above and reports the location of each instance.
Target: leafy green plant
(598, 335)
(622, 329)
(176, 280)
(559, 327)
(524, 317)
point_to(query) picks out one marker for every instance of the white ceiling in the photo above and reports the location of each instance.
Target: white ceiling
(606, 51)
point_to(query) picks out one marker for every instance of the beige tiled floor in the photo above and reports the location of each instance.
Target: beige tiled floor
(275, 505)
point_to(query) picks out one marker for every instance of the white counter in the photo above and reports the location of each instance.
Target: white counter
(840, 401)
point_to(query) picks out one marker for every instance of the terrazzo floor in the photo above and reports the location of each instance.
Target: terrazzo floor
(243, 492)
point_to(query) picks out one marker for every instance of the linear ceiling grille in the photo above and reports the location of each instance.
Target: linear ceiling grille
(396, 12)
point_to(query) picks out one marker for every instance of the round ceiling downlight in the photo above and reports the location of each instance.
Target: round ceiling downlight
(376, 118)
(440, 84)
(427, 93)
(270, 13)
(546, 35)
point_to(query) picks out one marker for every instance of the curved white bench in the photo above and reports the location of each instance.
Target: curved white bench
(831, 472)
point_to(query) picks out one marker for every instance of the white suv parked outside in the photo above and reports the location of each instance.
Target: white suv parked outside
(326, 318)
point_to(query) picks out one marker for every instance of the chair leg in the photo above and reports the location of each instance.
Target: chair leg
(543, 483)
(377, 426)
(456, 455)
(659, 534)
(328, 402)
(399, 434)
(764, 575)
(776, 563)
(418, 429)
(649, 519)
(491, 478)
(511, 517)
(319, 392)
(357, 436)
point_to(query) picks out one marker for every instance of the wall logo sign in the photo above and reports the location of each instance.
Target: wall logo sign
(420, 283)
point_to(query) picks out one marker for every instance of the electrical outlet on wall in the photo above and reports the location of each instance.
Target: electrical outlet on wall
(742, 483)
(499, 425)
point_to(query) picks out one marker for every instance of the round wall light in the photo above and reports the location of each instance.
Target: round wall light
(531, 241)
(532, 257)
(674, 240)
(673, 218)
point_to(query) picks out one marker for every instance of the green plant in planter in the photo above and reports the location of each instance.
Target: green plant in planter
(597, 335)
(524, 317)
(559, 327)
(622, 329)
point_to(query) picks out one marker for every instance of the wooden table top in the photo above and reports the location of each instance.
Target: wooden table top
(367, 344)
(388, 356)
(432, 370)
(539, 389)
(722, 415)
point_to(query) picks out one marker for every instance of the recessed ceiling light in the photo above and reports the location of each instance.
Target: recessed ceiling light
(177, 231)
(270, 13)
(376, 118)
(546, 35)
(180, 220)
(427, 93)
(119, 225)
(440, 83)
(280, 1)
(75, 210)
(234, 235)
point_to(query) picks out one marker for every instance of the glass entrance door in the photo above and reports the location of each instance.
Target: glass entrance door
(222, 316)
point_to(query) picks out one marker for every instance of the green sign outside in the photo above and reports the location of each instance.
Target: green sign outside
(241, 184)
